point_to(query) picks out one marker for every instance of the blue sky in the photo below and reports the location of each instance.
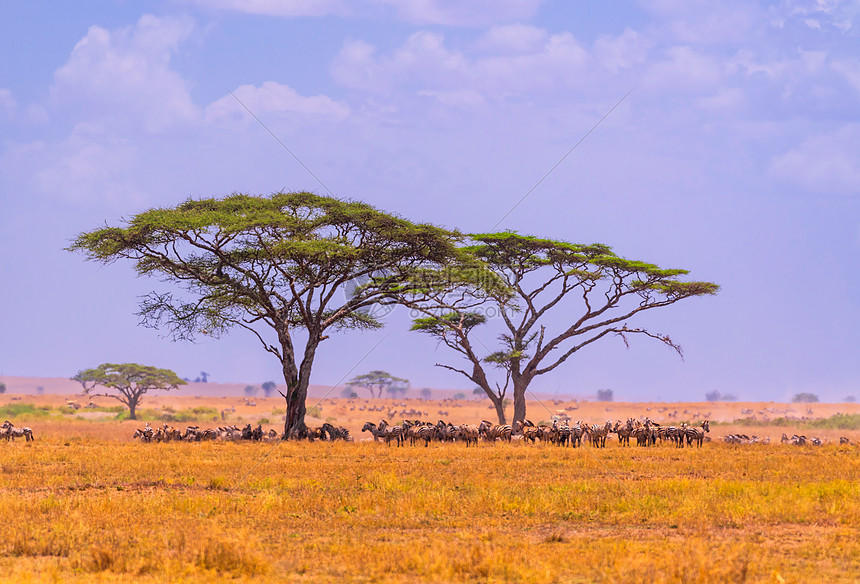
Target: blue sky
(736, 156)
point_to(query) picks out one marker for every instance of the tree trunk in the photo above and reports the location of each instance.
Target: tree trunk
(500, 407)
(294, 424)
(520, 383)
(297, 393)
(132, 409)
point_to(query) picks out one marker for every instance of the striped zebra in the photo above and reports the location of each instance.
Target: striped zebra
(374, 431)
(697, 435)
(624, 432)
(528, 430)
(674, 433)
(396, 433)
(426, 432)
(468, 433)
(492, 432)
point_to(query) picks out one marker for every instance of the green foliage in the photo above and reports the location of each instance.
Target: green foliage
(437, 325)
(198, 414)
(314, 412)
(128, 377)
(835, 422)
(11, 411)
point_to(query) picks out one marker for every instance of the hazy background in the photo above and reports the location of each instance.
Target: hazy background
(736, 156)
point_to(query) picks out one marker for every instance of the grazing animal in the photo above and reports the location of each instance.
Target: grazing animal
(492, 432)
(697, 435)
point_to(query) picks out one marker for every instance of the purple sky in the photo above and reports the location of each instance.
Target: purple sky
(736, 156)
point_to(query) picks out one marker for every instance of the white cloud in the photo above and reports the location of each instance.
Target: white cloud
(281, 8)
(124, 76)
(622, 51)
(698, 22)
(460, 13)
(86, 167)
(272, 98)
(424, 65)
(817, 14)
(826, 164)
(420, 12)
(685, 70)
(512, 39)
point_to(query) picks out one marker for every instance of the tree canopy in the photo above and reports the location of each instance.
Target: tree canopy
(597, 291)
(378, 382)
(127, 382)
(276, 266)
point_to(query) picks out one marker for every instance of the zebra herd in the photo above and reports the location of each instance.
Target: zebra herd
(10, 432)
(646, 433)
(196, 434)
(233, 433)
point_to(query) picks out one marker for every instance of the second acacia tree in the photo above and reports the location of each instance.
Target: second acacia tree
(290, 268)
(556, 298)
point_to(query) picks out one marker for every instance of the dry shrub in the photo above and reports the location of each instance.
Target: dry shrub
(234, 557)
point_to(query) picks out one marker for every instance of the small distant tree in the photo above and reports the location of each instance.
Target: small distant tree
(2, 388)
(203, 378)
(269, 388)
(348, 393)
(804, 398)
(396, 389)
(127, 382)
(251, 390)
(605, 395)
(478, 391)
(426, 393)
(713, 396)
(850, 399)
(459, 395)
(40, 390)
(378, 382)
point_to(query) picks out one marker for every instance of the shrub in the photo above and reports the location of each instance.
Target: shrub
(804, 398)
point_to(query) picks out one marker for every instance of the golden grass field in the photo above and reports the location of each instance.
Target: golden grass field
(84, 502)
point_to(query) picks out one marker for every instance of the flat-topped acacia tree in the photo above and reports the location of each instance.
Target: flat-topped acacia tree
(557, 299)
(127, 382)
(275, 265)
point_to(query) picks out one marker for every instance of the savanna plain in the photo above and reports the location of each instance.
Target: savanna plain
(85, 502)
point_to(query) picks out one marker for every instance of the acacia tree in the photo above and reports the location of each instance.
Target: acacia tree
(276, 266)
(378, 382)
(128, 381)
(595, 291)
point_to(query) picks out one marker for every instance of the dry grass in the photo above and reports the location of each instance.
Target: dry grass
(81, 507)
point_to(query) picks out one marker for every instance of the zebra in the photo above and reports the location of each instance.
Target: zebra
(331, 433)
(469, 433)
(392, 433)
(493, 432)
(528, 430)
(697, 435)
(844, 440)
(376, 433)
(624, 432)
(10, 432)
